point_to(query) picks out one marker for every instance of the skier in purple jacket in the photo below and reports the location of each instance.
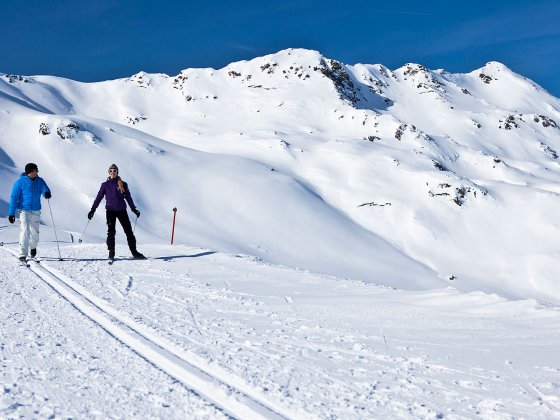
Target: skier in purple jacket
(115, 191)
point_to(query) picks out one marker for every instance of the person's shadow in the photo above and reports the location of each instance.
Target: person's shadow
(164, 258)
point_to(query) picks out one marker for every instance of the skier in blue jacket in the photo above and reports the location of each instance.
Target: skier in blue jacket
(26, 198)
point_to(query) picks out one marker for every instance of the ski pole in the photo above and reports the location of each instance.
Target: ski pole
(173, 227)
(5, 233)
(54, 227)
(83, 233)
(135, 224)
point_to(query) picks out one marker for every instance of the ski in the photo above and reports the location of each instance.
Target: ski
(27, 262)
(112, 260)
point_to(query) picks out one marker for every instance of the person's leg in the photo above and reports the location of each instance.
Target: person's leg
(34, 223)
(127, 227)
(24, 220)
(111, 221)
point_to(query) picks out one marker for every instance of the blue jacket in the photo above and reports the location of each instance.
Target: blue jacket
(26, 194)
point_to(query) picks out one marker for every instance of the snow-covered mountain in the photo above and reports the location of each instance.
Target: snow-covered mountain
(351, 241)
(411, 178)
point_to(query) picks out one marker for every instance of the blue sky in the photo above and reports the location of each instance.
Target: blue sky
(107, 39)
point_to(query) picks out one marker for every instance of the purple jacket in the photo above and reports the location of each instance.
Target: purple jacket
(114, 199)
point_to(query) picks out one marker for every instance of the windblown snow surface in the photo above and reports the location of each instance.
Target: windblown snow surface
(351, 241)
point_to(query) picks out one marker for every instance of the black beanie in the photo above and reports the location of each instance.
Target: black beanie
(113, 166)
(30, 167)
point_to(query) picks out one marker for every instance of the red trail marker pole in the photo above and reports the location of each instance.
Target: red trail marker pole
(173, 227)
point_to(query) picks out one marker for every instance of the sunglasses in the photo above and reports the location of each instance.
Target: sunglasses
(113, 170)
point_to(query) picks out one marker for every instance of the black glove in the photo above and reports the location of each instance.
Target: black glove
(12, 219)
(48, 195)
(136, 212)
(90, 214)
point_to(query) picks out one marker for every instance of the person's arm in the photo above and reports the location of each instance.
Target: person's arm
(129, 200)
(14, 198)
(45, 190)
(99, 197)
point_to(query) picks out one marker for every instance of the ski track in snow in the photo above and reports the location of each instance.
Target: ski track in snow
(285, 342)
(179, 364)
(56, 363)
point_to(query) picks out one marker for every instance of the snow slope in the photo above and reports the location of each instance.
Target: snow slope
(387, 238)
(452, 174)
(194, 333)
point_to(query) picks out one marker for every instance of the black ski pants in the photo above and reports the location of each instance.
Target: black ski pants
(122, 216)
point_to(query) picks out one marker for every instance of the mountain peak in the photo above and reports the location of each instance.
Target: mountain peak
(300, 56)
(495, 68)
(496, 65)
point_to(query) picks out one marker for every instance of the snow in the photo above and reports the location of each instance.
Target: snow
(350, 241)
(312, 345)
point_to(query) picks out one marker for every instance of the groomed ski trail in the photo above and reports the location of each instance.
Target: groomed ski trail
(221, 388)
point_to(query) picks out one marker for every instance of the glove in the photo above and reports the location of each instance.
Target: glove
(136, 212)
(90, 214)
(48, 195)
(12, 219)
